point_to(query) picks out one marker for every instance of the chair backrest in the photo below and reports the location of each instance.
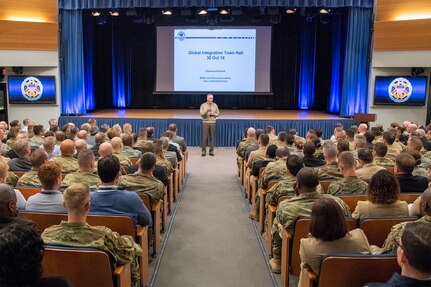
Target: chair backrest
(390, 169)
(302, 229)
(352, 200)
(82, 267)
(43, 220)
(281, 198)
(325, 184)
(378, 229)
(409, 197)
(355, 270)
(19, 173)
(134, 160)
(272, 183)
(28, 191)
(146, 199)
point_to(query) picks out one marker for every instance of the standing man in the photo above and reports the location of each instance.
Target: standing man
(209, 112)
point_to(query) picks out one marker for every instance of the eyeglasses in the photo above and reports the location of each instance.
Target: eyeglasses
(88, 202)
(397, 242)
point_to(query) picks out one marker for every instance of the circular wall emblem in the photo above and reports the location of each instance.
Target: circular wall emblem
(31, 89)
(181, 36)
(400, 90)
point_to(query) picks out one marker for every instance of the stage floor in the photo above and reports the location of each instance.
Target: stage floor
(225, 114)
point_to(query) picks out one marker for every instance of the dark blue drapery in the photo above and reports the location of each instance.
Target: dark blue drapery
(88, 64)
(91, 4)
(336, 71)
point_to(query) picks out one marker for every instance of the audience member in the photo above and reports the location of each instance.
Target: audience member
(117, 150)
(37, 140)
(260, 152)
(66, 160)
(409, 183)
(368, 168)
(310, 159)
(330, 169)
(22, 163)
(176, 138)
(380, 159)
(128, 147)
(31, 178)
(250, 140)
(85, 173)
(49, 145)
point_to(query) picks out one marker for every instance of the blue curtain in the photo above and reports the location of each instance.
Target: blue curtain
(91, 4)
(121, 66)
(72, 63)
(355, 73)
(88, 63)
(337, 53)
(307, 64)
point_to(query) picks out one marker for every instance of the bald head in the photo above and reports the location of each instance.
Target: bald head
(330, 152)
(80, 145)
(117, 144)
(83, 134)
(251, 132)
(362, 128)
(86, 160)
(105, 149)
(425, 202)
(7, 201)
(67, 148)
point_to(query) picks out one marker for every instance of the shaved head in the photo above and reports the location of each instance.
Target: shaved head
(67, 148)
(105, 149)
(117, 144)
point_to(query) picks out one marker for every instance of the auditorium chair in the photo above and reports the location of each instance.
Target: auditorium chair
(352, 200)
(78, 266)
(19, 173)
(325, 184)
(165, 209)
(353, 270)
(262, 205)
(254, 185)
(171, 195)
(240, 170)
(154, 208)
(28, 191)
(270, 215)
(409, 197)
(377, 229)
(122, 224)
(134, 160)
(290, 259)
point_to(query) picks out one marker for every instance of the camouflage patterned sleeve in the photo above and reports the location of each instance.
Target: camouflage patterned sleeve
(389, 246)
(287, 215)
(272, 194)
(334, 188)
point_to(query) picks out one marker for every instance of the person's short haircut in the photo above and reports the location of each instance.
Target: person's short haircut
(294, 164)
(416, 243)
(60, 136)
(91, 121)
(21, 253)
(416, 143)
(343, 145)
(309, 148)
(346, 159)
(416, 155)
(259, 132)
(327, 221)
(311, 132)
(158, 147)
(104, 128)
(86, 127)
(172, 127)
(76, 196)
(290, 139)
(264, 139)
(292, 132)
(14, 123)
(53, 128)
(360, 141)
(20, 147)
(318, 132)
(169, 135)
(150, 131)
(143, 133)
(375, 131)
(49, 134)
(282, 152)
(148, 147)
(369, 136)
(271, 151)
(100, 138)
(381, 149)
(383, 188)
(85, 158)
(148, 161)
(49, 173)
(165, 143)
(127, 140)
(4, 169)
(37, 129)
(330, 150)
(282, 136)
(112, 133)
(350, 134)
(308, 178)
(108, 168)
(405, 162)
(38, 157)
(269, 129)
(67, 147)
(389, 137)
(365, 155)
(300, 142)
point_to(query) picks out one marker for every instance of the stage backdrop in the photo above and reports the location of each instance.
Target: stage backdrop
(317, 62)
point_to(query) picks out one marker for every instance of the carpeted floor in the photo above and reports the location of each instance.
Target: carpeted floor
(212, 242)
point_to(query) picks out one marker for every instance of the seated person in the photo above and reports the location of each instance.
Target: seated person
(21, 244)
(30, 178)
(65, 159)
(380, 159)
(20, 201)
(22, 163)
(143, 180)
(76, 232)
(269, 157)
(420, 171)
(368, 168)
(329, 234)
(127, 146)
(409, 183)
(383, 193)
(161, 159)
(85, 174)
(330, 170)
(117, 150)
(49, 199)
(350, 184)
(310, 159)
(109, 200)
(8, 204)
(413, 256)
(276, 170)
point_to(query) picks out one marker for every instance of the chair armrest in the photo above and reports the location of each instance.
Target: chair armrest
(285, 256)
(123, 275)
(142, 237)
(307, 277)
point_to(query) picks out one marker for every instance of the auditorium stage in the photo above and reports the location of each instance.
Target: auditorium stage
(230, 125)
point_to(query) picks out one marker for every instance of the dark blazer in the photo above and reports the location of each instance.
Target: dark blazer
(95, 150)
(171, 147)
(19, 164)
(159, 173)
(412, 183)
(257, 165)
(313, 161)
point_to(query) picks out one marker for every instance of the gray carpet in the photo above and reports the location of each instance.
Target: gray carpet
(212, 241)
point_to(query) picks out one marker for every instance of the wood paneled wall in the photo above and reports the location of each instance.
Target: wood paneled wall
(403, 25)
(29, 25)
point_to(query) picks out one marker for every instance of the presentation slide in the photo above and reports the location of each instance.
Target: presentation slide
(214, 60)
(228, 59)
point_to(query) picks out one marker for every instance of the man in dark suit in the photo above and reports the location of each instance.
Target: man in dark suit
(310, 159)
(409, 183)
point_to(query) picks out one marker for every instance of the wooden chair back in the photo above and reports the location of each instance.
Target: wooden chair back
(28, 191)
(134, 160)
(352, 200)
(78, 266)
(356, 270)
(325, 184)
(43, 220)
(19, 173)
(390, 169)
(272, 183)
(409, 197)
(378, 229)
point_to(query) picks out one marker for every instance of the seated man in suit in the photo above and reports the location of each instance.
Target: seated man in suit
(404, 166)
(22, 163)
(368, 168)
(30, 178)
(76, 232)
(176, 138)
(413, 256)
(310, 159)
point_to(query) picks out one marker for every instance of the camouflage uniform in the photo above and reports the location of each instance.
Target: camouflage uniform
(281, 188)
(36, 141)
(121, 249)
(347, 186)
(329, 171)
(290, 210)
(425, 162)
(30, 178)
(12, 179)
(124, 160)
(143, 183)
(273, 139)
(166, 164)
(130, 152)
(276, 170)
(89, 178)
(351, 145)
(5, 148)
(142, 142)
(389, 245)
(242, 147)
(383, 161)
(68, 164)
(421, 171)
(377, 139)
(393, 151)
